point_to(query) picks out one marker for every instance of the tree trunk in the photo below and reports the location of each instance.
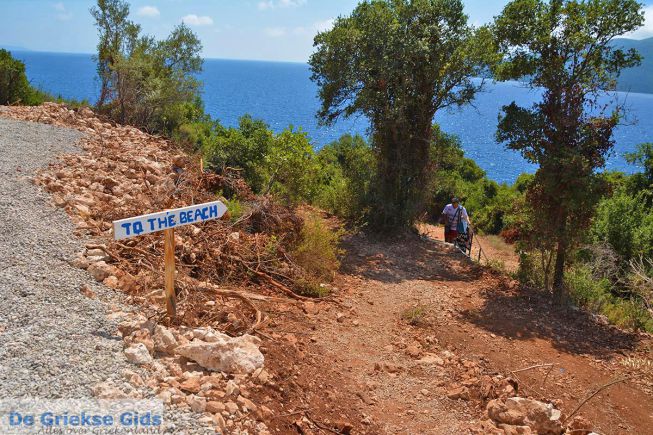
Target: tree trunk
(403, 163)
(103, 95)
(559, 272)
(546, 257)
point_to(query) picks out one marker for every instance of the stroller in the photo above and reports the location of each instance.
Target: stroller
(464, 239)
(465, 234)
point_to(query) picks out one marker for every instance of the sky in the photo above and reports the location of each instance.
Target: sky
(279, 30)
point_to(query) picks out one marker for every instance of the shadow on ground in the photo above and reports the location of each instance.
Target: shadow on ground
(504, 309)
(522, 314)
(405, 258)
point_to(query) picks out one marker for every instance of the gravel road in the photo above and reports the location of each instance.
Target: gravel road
(54, 342)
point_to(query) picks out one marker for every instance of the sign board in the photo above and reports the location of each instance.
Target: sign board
(167, 220)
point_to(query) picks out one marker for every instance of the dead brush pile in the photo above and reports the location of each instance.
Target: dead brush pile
(126, 172)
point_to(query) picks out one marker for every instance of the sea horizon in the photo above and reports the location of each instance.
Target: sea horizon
(203, 58)
(281, 94)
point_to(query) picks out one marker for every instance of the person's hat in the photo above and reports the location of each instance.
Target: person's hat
(454, 199)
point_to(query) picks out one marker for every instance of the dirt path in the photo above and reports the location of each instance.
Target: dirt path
(411, 314)
(494, 248)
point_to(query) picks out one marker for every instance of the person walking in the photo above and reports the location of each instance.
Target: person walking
(453, 214)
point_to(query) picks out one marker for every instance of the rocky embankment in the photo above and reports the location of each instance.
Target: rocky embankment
(65, 331)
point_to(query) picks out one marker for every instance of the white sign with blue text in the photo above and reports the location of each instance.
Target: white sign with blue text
(165, 220)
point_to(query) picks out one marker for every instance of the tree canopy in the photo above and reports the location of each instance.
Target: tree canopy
(145, 82)
(14, 86)
(564, 47)
(398, 62)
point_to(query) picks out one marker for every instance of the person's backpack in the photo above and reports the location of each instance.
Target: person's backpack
(460, 226)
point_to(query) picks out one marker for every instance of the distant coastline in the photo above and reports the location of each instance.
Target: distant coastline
(13, 48)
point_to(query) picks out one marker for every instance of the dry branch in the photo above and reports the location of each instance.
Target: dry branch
(533, 367)
(597, 391)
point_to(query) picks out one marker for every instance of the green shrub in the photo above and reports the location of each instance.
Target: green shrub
(280, 164)
(643, 180)
(596, 296)
(414, 316)
(312, 288)
(345, 173)
(498, 266)
(625, 221)
(149, 94)
(145, 82)
(14, 87)
(317, 253)
(289, 167)
(585, 290)
(244, 148)
(235, 207)
(535, 268)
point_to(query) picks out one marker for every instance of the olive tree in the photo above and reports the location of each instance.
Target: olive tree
(566, 49)
(144, 82)
(397, 62)
(117, 35)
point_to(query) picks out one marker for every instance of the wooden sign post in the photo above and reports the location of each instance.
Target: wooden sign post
(167, 221)
(169, 278)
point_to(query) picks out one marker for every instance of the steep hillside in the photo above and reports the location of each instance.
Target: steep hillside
(413, 338)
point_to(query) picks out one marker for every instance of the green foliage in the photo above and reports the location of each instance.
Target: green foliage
(14, 87)
(415, 316)
(398, 63)
(147, 83)
(535, 265)
(235, 208)
(318, 251)
(311, 288)
(574, 64)
(282, 164)
(624, 219)
(595, 295)
(579, 51)
(345, 177)
(487, 202)
(289, 167)
(244, 148)
(498, 266)
(318, 254)
(642, 181)
(613, 273)
(453, 174)
(116, 35)
(626, 223)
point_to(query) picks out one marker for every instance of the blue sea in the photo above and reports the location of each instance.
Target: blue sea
(282, 94)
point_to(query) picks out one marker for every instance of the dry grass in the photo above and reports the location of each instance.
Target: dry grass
(415, 316)
(318, 253)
